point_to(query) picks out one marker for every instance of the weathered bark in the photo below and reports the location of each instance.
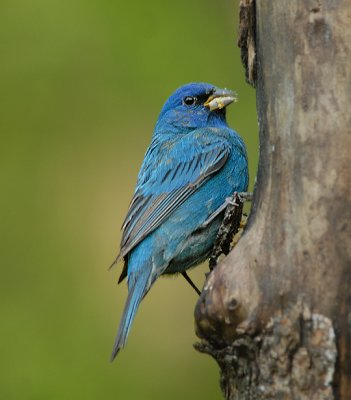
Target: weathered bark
(276, 313)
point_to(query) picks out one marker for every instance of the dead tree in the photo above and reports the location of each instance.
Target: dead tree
(276, 313)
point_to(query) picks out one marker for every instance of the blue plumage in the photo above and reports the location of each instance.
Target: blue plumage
(195, 161)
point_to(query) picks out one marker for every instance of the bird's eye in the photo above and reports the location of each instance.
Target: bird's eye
(189, 100)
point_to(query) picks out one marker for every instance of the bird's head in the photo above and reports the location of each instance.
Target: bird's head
(195, 105)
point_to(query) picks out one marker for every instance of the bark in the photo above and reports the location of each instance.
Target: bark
(276, 312)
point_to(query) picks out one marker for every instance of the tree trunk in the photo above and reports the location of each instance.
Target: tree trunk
(276, 313)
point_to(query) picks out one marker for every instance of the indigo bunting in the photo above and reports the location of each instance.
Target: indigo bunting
(194, 162)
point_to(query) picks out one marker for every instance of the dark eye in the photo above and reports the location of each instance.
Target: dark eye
(189, 100)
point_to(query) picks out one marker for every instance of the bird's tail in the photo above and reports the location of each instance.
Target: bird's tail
(138, 287)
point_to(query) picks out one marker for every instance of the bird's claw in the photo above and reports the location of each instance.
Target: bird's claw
(234, 200)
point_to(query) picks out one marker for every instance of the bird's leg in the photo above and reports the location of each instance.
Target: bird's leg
(191, 283)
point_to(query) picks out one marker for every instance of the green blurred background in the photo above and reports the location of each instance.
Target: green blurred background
(82, 82)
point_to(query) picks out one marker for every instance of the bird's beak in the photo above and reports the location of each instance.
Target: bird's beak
(220, 99)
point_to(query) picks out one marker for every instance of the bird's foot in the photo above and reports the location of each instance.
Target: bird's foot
(244, 196)
(235, 200)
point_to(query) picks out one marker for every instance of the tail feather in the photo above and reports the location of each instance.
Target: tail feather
(137, 290)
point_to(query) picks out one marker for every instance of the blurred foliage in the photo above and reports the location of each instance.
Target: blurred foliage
(82, 82)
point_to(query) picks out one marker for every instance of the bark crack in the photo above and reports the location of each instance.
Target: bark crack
(247, 39)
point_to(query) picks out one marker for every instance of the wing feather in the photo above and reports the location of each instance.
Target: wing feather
(172, 171)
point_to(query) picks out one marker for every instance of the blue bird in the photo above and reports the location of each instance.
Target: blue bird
(194, 162)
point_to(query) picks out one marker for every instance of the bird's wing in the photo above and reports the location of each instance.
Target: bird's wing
(171, 172)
